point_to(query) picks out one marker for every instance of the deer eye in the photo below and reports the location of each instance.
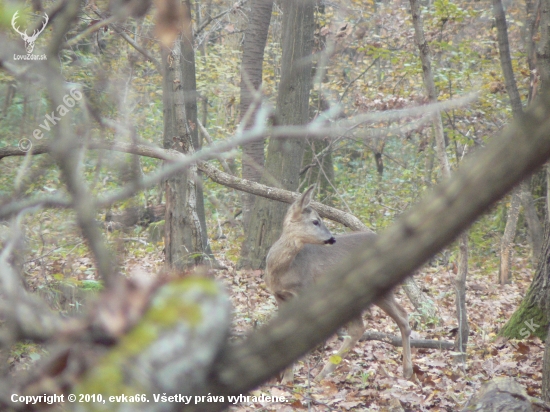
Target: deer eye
(315, 222)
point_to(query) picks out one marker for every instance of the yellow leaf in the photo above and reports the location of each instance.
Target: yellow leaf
(335, 359)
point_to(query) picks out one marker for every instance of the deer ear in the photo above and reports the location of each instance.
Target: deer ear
(305, 199)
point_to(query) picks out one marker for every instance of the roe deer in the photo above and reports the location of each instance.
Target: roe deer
(300, 257)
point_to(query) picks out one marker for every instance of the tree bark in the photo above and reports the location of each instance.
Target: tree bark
(183, 235)
(255, 40)
(284, 156)
(531, 317)
(508, 237)
(423, 305)
(189, 85)
(531, 217)
(505, 59)
(543, 51)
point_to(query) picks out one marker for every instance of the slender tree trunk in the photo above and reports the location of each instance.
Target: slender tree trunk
(508, 237)
(517, 110)
(189, 84)
(505, 59)
(284, 156)
(251, 78)
(460, 282)
(543, 53)
(522, 193)
(183, 236)
(531, 217)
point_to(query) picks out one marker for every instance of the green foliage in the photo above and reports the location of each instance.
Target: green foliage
(27, 350)
(92, 285)
(424, 316)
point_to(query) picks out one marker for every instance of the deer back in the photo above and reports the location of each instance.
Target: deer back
(314, 261)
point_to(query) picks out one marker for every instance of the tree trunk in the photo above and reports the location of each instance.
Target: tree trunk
(460, 285)
(517, 110)
(523, 193)
(508, 237)
(183, 236)
(531, 317)
(284, 156)
(460, 281)
(543, 65)
(189, 84)
(543, 54)
(533, 222)
(505, 59)
(251, 77)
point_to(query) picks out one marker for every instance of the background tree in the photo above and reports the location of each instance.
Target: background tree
(284, 156)
(183, 231)
(254, 43)
(460, 282)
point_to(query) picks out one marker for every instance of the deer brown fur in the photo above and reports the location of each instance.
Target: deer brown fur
(305, 252)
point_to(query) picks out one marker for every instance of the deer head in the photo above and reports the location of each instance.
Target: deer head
(304, 224)
(29, 40)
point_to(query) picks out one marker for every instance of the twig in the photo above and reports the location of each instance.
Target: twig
(220, 15)
(210, 141)
(357, 78)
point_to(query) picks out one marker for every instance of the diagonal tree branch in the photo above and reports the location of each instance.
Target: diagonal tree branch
(433, 223)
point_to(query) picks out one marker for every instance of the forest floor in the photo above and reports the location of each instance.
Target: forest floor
(369, 378)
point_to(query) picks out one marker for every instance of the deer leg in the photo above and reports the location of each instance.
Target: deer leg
(288, 376)
(395, 311)
(355, 331)
(281, 297)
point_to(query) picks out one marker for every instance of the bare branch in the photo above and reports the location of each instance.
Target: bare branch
(216, 175)
(209, 20)
(91, 29)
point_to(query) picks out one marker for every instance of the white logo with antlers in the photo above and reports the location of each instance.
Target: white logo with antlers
(29, 40)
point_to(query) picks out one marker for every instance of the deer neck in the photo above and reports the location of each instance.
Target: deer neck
(281, 255)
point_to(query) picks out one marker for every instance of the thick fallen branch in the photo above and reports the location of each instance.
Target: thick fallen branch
(280, 195)
(415, 343)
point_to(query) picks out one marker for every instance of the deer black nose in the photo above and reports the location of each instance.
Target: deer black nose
(331, 241)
